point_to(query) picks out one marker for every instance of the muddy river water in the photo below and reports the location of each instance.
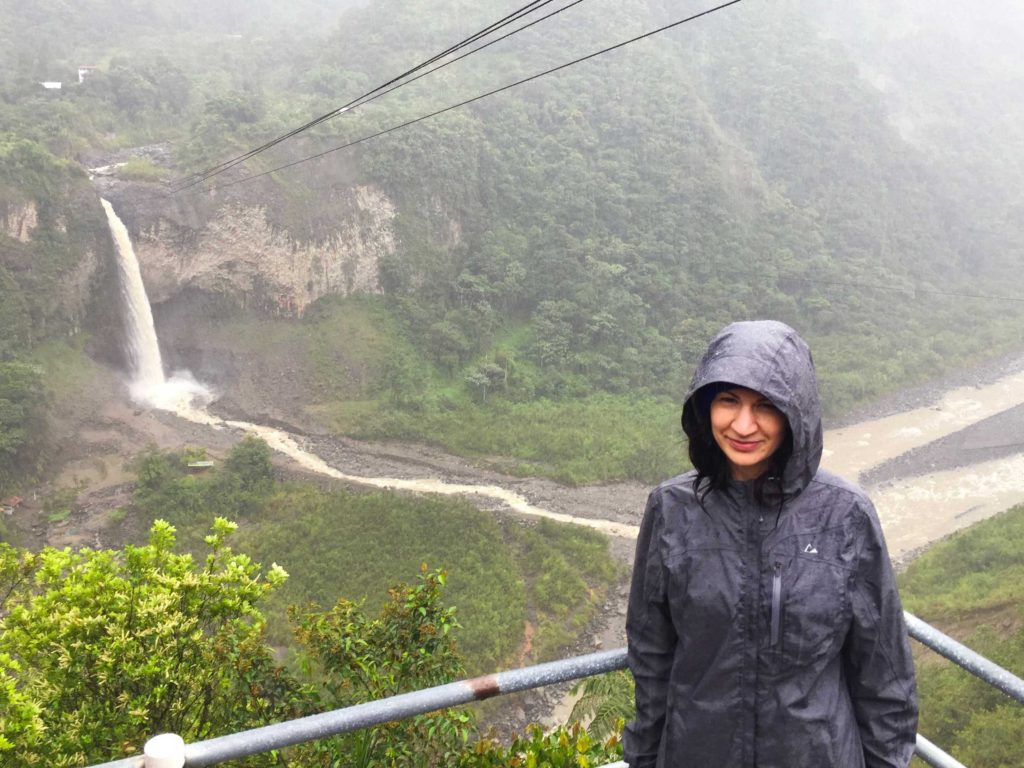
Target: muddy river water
(918, 510)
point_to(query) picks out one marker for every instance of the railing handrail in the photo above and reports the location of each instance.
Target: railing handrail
(964, 657)
(314, 727)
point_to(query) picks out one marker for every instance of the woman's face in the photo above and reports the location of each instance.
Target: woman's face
(748, 428)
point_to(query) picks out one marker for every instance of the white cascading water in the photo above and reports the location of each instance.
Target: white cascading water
(148, 385)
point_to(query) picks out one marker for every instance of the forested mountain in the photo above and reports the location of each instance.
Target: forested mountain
(582, 235)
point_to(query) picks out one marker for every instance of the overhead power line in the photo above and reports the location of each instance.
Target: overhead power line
(474, 99)
(384, 88)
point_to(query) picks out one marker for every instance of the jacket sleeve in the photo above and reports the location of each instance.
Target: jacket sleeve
(876, 655)
(651, 640)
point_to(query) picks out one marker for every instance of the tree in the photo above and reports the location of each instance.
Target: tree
(605, 701)
(249, 462)
(103, 648)
(357, 658)
(22, 421)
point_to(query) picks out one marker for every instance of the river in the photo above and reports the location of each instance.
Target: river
(915, 510)
(920, 509)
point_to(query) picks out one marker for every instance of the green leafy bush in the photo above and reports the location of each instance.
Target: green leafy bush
(141, 169)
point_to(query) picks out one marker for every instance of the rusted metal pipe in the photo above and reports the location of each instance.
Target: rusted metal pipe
(245, 743)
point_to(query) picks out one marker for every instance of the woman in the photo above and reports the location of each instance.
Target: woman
(764, 626)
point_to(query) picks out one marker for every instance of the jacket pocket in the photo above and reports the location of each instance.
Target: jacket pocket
(809, 609)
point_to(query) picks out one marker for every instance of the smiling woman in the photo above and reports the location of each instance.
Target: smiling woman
(764, 625)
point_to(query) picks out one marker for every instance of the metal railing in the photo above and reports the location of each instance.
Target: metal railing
(169, 751)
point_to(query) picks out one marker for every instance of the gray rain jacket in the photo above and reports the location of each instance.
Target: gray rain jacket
(767, 636)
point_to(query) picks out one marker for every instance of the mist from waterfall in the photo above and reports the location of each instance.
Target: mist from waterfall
(148, 385)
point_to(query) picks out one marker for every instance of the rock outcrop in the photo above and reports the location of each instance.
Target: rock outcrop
(19, 221)
(239, 254)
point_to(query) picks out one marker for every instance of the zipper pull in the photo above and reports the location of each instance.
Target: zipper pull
(776, 602)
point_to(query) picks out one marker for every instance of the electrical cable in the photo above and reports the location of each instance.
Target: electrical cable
(200, 176)
(333, 113)
(366, 100)
(474, 99)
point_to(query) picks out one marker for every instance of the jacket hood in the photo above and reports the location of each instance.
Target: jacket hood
(771, 358)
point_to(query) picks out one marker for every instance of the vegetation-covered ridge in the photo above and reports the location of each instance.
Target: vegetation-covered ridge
(568, 246)
(578, 241)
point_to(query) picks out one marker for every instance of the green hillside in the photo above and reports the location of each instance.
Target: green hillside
(566, 247)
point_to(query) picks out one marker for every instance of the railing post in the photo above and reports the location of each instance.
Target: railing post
(164, 751)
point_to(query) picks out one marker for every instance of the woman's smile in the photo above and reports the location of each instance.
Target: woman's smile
(744, 445)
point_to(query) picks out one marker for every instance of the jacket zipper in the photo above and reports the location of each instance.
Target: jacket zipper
(776, 602)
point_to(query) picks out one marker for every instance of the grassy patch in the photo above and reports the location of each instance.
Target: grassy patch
(567, 572)
(972, 586)
(69, 374)
(502, 571)
(141, 169)
(352, 545)
(352, 341)
(58, 505)
(595, 439)
(977, 570)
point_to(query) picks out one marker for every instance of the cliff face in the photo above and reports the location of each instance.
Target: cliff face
(56, 275)
(234, 251)
(19, 221)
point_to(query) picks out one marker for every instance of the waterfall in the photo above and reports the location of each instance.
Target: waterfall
(143, 348)
(148, 384)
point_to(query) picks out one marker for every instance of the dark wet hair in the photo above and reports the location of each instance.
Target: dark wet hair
(713, 471)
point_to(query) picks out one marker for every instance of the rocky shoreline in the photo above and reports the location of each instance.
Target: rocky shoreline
(929, 393)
